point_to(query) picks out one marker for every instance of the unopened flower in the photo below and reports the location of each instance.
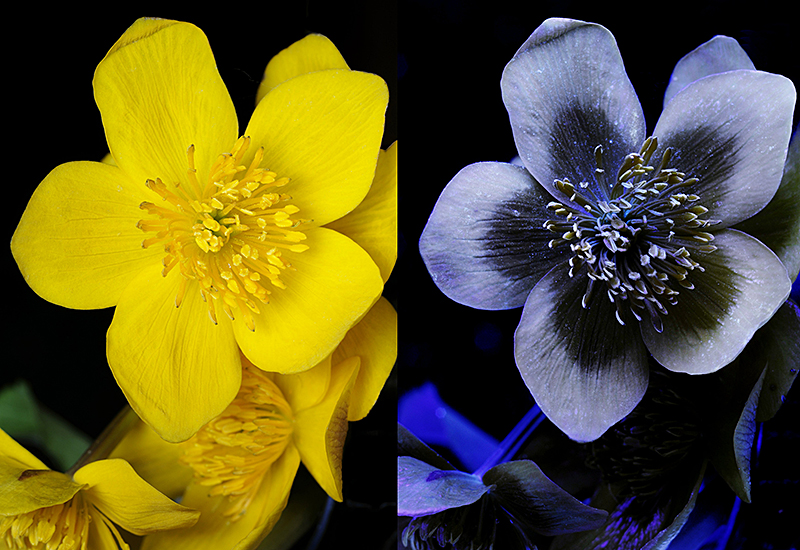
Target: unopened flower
(206, 240)
(43, 509)
(617, 244)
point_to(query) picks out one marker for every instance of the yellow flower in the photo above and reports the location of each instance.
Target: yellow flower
(239, 468)
(43, 509)
(205, 240)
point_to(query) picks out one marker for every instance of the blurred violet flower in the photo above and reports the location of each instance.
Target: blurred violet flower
(618, 244)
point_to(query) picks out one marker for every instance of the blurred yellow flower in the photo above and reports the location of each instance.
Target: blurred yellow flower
(40, 508)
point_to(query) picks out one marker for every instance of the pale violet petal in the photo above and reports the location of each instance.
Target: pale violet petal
(719, 55)
(584, 369)
(741, 286)
(484, 244)
(566, 92)
(731, 131)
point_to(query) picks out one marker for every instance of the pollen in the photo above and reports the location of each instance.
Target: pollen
(60, 527)
(233, 235)
(231, 454)
(638, 243)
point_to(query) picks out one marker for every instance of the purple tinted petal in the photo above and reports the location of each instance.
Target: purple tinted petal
(584, 369)
(567, 92)
(719, 55)
(741, 287)
(484, 244)
(730, 131)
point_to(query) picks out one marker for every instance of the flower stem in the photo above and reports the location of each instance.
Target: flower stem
(108, 440)
(513, 441)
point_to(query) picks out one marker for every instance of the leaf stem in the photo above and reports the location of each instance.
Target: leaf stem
(108, 440)
(513, 441)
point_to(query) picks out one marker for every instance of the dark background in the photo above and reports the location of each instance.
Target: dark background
(49, 59)
(452, 54)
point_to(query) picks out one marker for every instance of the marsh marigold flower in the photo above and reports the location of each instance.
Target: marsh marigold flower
(208, 240)
(618, 245)
(43, 509)
(239, 468)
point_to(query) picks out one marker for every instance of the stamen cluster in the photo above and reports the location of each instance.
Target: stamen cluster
(638, 243)
(232, 453)
(228, 235)
(60, 527)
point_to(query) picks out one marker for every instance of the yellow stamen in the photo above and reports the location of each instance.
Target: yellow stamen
(60, 527)
(233, 452)
(236, 220)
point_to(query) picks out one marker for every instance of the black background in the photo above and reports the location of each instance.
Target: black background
(49, 59)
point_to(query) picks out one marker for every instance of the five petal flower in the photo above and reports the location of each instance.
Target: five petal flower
(205, 243)
(617, 244)
(41, 508)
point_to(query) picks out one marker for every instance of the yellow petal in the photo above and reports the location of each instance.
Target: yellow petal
(323, 131)
(373, 224)
(374, 340)
(77, 244)
(159, 92)
(331, 286)
(103, 534)
(320, 431)
(155, 460)
(177, 368)
(305, 389)
(127, 500)
(214, 531)
(25, 482)
(312, 53)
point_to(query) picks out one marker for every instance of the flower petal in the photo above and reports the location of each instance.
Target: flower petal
(310, 54)
(77, 244)
(215, 530)
(331, 286)
(177, 369)
(305, 389)
(730, 131)
(319, 432)
(719, 55)
(323, 130)
(484, 244)
(159, 92)
(584, 369)
(778, 225)
(154, 459)
(26, 484)
(567, 92)
(741, 287)
(537, 503)
(373, 224)
(374, 341)
(423, 489)
(127, 500)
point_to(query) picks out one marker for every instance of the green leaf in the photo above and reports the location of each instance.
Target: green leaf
(423, 489)
(23, 417)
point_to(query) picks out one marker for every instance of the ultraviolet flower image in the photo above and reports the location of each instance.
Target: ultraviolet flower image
(618, 242)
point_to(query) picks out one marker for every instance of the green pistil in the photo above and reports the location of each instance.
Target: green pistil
(638, 243)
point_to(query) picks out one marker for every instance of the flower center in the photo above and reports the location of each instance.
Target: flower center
(233, 452)
(229, 235)
(638, 243)
(60, 527)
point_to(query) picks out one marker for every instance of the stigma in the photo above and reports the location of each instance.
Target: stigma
(638, 243)
(229, 234)
(232, 453)
(59, 527)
